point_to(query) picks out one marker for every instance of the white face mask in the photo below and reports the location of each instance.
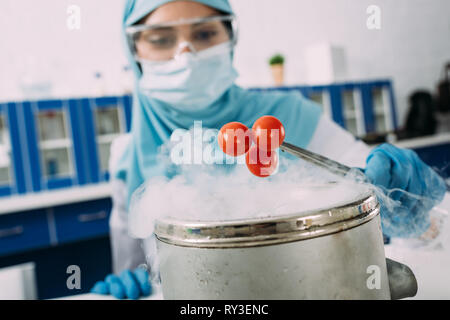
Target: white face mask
(191, 81)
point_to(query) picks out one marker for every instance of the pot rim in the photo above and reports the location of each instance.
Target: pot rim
(271, 230)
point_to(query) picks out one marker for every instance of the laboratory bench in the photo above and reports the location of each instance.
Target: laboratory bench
(54, 193)
(56, 229)
(429, 265)
(433, 150)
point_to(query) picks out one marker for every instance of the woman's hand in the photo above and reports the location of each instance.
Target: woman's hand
(130, 284)
(395, 171)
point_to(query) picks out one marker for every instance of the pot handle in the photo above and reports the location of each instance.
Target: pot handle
(402, 282)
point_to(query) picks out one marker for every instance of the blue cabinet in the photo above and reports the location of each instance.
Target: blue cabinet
(105, 119)
(48, 145)
(437, 156)
(55, 147)
(52, 226)
(360, 107)
(13, 176)
(23, 231)
(52, 144)
(57, 237)
(378, 107)
(93, 256)
(82, 220)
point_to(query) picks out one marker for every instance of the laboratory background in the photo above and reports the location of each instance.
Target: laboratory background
(379, 68)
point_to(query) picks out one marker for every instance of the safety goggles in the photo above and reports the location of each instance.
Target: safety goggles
(162, 42)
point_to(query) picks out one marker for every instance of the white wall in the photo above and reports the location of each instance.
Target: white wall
(411, 46)
(37, 42)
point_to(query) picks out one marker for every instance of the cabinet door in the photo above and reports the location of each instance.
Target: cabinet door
(367, 105)
(108, 120)
(322, 96)
(23, 231)
(378, 106)
(384, 113)
(52, 133)
(84, 220)
(55, 145)
(6, 159)
(12, 149)
(352, 110)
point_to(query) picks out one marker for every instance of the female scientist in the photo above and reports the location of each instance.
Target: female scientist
(182, 56)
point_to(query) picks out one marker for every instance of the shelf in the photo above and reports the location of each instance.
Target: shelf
(47, 199)
(107, 138)
(438, 139)
(55, 144)
(379, 112)
(350, 115)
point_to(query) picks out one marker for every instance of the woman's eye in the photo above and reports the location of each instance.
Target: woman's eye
(162, 41)
(206, 35)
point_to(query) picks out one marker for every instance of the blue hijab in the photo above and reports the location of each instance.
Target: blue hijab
(154, 121)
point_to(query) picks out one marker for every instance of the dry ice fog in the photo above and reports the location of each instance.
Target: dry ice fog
(221, 188)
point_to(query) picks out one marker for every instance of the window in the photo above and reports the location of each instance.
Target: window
(5, 152)
(381, 110)
(323, 99)
(353, 118)
(55, 144)
(109, 124)
(317, 97)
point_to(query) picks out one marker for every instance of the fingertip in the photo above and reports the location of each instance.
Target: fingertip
(130, 284)
(378, 169)
(370, 174)
(142, 277)
(141, 274)
(115, 286)
(146, 289)
(100, 287)
(117, 290)
(112, 278)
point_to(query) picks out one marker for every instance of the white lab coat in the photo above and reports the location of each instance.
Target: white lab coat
(329, 140)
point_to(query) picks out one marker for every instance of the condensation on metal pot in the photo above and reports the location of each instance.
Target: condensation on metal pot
(267, 231)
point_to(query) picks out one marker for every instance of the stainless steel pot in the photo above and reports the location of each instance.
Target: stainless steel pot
(332, 253)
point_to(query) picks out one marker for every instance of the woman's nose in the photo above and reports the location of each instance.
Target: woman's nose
(184, 50)
(183, 47)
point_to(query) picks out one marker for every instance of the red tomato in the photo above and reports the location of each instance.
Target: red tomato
(234, 139)
(260, 162)
(268, 133)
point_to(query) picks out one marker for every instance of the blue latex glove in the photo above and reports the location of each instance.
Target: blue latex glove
(389, 168)
(129, 284)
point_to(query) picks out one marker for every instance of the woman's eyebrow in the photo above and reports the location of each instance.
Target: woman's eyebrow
(199, 24)
(164, 29)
